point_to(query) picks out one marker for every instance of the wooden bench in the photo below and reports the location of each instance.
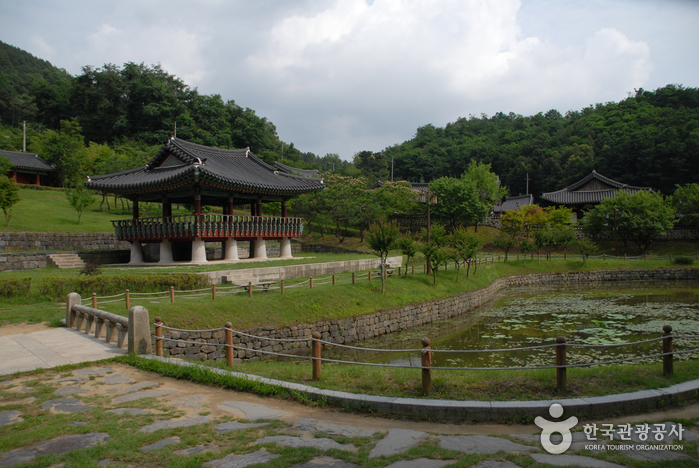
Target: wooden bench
(265, 285)
(389, 272)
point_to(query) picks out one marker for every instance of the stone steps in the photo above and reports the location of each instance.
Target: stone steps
(66, 260)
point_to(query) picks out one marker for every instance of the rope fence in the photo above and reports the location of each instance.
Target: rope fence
(316, 343)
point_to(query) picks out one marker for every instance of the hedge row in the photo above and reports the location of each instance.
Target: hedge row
(59, 288)
(13, 287)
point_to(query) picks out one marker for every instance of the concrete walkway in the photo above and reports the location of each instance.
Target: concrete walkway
(51, 348)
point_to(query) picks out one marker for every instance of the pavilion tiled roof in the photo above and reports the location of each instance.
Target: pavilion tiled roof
(571, 195)
(313, 173)
(180, 162)
(513, 203)
(27, 161)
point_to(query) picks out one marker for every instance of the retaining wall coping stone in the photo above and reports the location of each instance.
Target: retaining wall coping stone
(475, 410)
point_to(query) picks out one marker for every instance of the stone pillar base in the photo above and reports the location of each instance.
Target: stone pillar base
(285, 248)
(260, 248)
(198, 250)
(166, 251)
(231, 252)
(136, 253)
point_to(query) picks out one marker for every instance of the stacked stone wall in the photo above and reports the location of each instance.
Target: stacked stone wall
(392, 320)
(59, 241)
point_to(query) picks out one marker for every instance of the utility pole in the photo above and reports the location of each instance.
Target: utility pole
(429, 202)
(282, 151)
(175, 129)
(391, 168)
(24, 138)
(528, 179)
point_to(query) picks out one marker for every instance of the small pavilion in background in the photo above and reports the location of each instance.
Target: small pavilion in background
(190, 174)
(587, 192)
(27, 168)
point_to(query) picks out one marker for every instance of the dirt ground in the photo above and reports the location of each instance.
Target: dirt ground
(22, 328)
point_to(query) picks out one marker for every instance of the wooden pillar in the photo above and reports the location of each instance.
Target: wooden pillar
(38, 179)
(167, 209)
(283, 208)
(158, 337)
(135, 209)
(253, 209)
(230, 206)
(259, 208)
(197, 205)
(229, 343)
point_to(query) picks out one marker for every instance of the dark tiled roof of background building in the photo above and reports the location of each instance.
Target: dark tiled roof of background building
(572, 195)
(513, 203)
(27, 161)
(313, 173)
(180, 162)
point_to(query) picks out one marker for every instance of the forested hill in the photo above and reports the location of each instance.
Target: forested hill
(19, 70)
(650, 139)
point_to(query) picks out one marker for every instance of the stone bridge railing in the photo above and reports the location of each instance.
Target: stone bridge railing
(134, 329)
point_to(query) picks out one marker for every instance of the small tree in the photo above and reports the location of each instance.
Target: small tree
(437, 256)
(383, 238)
(80, 198)
(467, 245)
(526, 246)
(586, 248)
(543, 240)
(564, 235)
(9, 196)
(408, 247)
(504, 242)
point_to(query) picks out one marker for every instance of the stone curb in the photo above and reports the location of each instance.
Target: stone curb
(480, 411)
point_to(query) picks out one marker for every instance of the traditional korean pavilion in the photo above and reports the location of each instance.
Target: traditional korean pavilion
(191, 174)
(512, 204)
(27, 168)
(588, 192)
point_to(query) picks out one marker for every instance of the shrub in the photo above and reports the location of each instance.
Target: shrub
(14, 287)
(58, 288)
(90, 269)
(683, 260)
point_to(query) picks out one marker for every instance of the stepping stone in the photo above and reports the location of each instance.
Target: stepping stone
(104, 462)
(139, 386)
(420, 463)
(67, 391)
(296, 442)
(27, 390)
(312, 425)
(573, 460)
(71, 379)
(251, 411)
(171, 424)
(147, 394)
(57, 446)
(92, 371)
(397, 441)
(9, 417)
(160, 444)
(131, 411)
(241, 461)
(78, 423)
(6, 382)
(225, 428)
(326, 462)
(66, 405)
(116, 379)
(192, 450)
(481, 444)
(499, 464)
(655, 455)
(190, 402)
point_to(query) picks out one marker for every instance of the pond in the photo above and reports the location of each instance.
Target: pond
(601, 314)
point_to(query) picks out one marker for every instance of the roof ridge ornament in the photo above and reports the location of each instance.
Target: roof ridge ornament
(247, 151)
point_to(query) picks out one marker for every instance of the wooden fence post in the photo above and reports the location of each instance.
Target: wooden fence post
(158, 337)
(667, 348)
(94, 300)
(399, 271)
(426, 364)
(128, 300)
(604, 257)
(670, 258)
(213, 292)
(282, 286)
(315, 344)
(172, 294)
(646, 257)
(229, 343)
(370, 276)
(352, 277)
(414, 268)
(310, 281)
(333, 280)
(561, 361)
(250, 289)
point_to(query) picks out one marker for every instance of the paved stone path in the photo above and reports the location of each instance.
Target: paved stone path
(51, 348)
(229, 429)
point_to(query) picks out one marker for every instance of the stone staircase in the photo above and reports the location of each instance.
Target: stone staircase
(65, 260)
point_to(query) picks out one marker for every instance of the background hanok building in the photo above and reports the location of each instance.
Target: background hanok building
(27, 168)
(512, 204)
(586, 193)
(190, 174)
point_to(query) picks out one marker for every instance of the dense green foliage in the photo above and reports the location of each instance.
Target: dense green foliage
(650, 139)
(14, 287)
(59, 287)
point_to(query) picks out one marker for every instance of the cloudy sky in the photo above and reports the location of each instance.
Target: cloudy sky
(341, 76)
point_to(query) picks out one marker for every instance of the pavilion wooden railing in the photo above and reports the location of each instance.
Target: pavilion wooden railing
(206, 226)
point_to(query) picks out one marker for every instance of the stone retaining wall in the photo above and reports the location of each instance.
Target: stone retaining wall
(34, 260)
(391, 320)
(57, 241)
